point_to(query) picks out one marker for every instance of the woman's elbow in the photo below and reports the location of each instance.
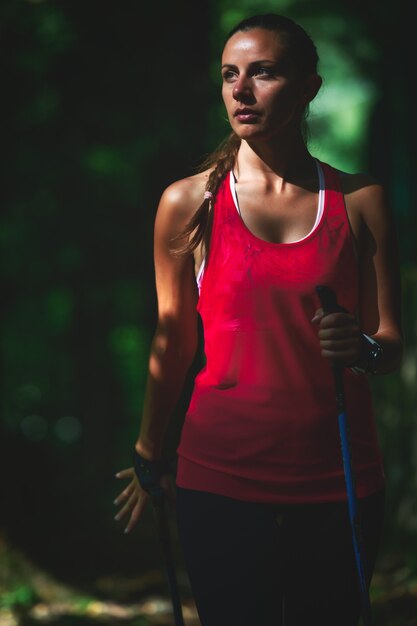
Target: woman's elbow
(176, 341)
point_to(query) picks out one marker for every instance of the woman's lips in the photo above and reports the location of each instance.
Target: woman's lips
(246, 115)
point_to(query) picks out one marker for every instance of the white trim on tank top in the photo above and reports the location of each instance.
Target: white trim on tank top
(320, 208)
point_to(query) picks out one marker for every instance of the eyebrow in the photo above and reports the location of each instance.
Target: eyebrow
(257, 62)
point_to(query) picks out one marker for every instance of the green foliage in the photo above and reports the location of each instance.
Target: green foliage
(22, 595)
(129, 347)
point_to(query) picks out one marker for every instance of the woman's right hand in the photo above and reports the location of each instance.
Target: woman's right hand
(133, 499)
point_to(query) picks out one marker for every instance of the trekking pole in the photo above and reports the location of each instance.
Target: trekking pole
(158, 503)
(330, 305)
(149, 474)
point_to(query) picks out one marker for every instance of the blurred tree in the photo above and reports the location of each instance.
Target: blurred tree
(104, 108)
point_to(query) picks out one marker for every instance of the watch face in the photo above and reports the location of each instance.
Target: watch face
(371, 356)
(376, 352)
(375, 357)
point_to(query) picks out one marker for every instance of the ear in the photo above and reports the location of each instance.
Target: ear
(312, 87)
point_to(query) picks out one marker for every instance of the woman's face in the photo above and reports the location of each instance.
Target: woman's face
(261, 90)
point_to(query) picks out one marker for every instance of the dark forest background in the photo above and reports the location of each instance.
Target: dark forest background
(103, 105)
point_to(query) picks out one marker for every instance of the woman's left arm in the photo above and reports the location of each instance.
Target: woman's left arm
(380, 297)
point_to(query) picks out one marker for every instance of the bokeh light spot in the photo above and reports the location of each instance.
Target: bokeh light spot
(68, 428)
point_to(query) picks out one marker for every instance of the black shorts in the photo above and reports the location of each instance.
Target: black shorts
(252, 564)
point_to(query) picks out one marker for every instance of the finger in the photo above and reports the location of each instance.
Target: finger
(126, 473)
(348, 351)
(136, 513)
(347, 348)
(317, 316)
(125, 493)
(339, 341)
(339, 333)
(332, 320)
(340, 350)
(134, 497)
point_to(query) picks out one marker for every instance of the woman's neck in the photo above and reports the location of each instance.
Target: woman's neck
(271, 160)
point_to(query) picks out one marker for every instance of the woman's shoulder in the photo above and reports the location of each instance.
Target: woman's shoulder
(358, 181)
(364, 194)
(351, 182)
(184, 196)
(360, 188)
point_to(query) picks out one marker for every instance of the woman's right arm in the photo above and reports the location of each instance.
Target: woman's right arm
(174, 342)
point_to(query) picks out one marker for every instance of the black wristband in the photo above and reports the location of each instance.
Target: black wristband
(370, 357)
(149, 473)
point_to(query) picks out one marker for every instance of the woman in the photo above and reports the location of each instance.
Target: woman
(260, 489)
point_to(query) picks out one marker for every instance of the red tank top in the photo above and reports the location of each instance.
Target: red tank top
(262, 421)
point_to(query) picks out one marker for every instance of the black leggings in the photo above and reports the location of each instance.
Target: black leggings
(252, 564)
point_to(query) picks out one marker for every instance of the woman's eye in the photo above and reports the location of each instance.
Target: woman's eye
(264, 71)
(228, 75)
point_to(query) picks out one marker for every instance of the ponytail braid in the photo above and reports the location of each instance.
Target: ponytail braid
(198, 229)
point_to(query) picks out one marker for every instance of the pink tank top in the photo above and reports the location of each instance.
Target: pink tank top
(262, 421)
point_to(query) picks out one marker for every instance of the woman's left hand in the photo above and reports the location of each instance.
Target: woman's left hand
(340, 337)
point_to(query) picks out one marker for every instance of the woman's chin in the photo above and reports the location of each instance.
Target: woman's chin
(250, 131)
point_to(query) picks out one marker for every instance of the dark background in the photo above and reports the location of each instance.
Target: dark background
(103, 105)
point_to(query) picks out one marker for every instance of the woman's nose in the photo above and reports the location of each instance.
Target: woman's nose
(240, 88)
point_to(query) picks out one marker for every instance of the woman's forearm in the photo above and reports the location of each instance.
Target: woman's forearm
(392, 352)
(170, 359)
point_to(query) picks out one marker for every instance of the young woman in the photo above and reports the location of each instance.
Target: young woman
(260, 487)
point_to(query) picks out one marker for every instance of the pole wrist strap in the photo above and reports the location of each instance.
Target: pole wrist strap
(149, 473)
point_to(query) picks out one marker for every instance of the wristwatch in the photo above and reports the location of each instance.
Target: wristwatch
(370, 357)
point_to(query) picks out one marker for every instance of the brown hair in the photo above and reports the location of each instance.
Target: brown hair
(198, 229)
